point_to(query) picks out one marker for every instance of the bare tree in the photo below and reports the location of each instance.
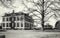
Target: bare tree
(46, 8)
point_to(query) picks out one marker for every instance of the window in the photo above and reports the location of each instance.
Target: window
(21, 18)
(17, 24)
(7, 25)
(14, 18)
(26, 24)
(3, 19)
(7, 19)
(17, 18)
(21, 25)
(3, 24)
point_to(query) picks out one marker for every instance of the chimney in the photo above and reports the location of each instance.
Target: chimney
(13, 12)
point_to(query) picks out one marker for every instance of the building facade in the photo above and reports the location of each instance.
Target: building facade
(17, 21)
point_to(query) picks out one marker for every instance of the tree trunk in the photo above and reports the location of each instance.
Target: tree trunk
(42, 21)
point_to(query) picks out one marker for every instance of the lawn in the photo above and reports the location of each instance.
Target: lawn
(29, 34)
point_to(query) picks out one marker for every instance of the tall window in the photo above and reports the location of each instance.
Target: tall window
(26, 24)
(21, 24)
(21, 18)
(17, 24)
(3, 24)
(14, 18)
(3, 19)
(18, 18)
(7, 19)
(7, 25)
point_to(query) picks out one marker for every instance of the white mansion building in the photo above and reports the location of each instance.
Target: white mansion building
(18, 20)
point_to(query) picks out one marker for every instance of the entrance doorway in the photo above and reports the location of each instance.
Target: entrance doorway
(12, 25)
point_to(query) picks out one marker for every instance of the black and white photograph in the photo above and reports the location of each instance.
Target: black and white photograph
(29, 18)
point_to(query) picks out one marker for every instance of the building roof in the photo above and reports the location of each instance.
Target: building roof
(15, 14)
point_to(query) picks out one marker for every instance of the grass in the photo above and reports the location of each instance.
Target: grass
(30, 34)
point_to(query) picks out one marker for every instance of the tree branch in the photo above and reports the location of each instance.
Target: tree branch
(37, 22)
(7, 3)
(37, 16)
(48, 13)
(48, 18)
(48, 6)
(30, 9)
